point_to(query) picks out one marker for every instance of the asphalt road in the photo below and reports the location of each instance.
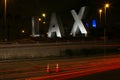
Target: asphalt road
(74, 69)
(107, 75)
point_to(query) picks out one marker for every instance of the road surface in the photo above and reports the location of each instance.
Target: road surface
(68, 68)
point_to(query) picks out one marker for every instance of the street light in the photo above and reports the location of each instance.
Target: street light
(107, 5)
(43, 15)
(22, 31)
(44, 22)
(100, 12)
(39, 19)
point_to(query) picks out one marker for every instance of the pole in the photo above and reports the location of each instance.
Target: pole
(105, 15)
(104, 41)
(100, 14)
(105, 34)
(5, 9)
(5, 23)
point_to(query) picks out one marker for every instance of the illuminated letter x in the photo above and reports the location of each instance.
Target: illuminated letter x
(78, 25)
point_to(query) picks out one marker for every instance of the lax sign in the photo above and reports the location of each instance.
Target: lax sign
(56, 27)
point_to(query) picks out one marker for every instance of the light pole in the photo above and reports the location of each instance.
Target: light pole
(107, 5)
(5, 9)
(5, 23)
(100, 13)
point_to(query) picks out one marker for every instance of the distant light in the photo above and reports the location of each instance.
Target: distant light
(87, 24)
(94, 23)
(23, 31)
(44, 22)
(39, 19)
(100, 10)
(107, 5)
(70, 33)
(43, 15)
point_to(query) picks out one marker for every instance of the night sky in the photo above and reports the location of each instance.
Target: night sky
(20, 12)
(36, 7)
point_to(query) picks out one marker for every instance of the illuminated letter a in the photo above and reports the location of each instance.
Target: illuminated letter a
(55, 28)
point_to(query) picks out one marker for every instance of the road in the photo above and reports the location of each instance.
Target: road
(107, 75)
(68, 68)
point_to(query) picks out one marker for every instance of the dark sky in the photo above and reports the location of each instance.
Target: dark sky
(36, 7)
(32, 7)
(19, 10)
(62, 7)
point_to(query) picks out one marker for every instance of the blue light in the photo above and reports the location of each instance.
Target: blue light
(87, 24)
(94, 24)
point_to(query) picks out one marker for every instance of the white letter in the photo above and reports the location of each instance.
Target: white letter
(55, 27)
(35, 27)
(78, 22)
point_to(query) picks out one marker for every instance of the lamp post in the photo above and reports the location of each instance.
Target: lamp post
(107, 5)
(5, 9)
(5, 23)
(100, 13)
